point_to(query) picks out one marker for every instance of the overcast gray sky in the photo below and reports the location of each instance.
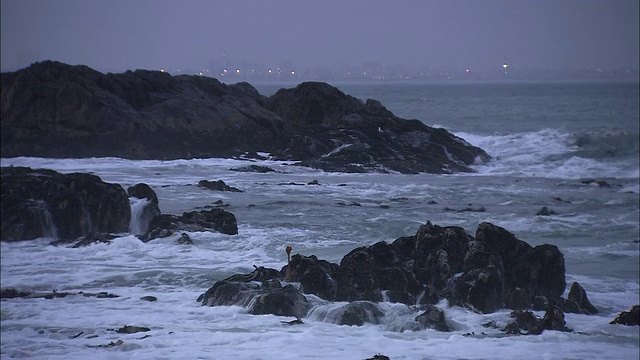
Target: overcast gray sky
(117, 35)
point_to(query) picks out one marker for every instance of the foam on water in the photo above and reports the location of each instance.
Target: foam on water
(545, 153)
(546, 147)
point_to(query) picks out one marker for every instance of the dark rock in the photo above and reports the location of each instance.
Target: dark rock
(545, 269)
(102, 295)
(481, 286)
(109, 345)
(358, 280)
(528, 271)
(52, 109)
(90, 239)
(149, 298)
(394, 270)
(227, 292)
(600, 183)
(631, 317)
(315, 276)
(143, 191)
(579, 295)
(525, 321)
(13, 293)
(378, 357)
(132, 329)
(313, 182)
(266, 298)
(544, 211)
(540, 303)
(360, 312)
(554, 319)
(185, 239)
(467, 209)
(44, 203)
(286, 301)
(254, 168)
(293, 322)
(217, 186)
(341, 133)
(433, 318)
(205, 220)
(261, 274)
(141, 217)
(439, 254)
(567, 305)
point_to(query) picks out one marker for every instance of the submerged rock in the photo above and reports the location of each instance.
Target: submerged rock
(285, 301)
(217, 186)
(360, 312)
(254, 168)
(527, 323)
(45, 203)
(205, 220)
(433, 318)
(90, 239)
(127, 329)
(544, 211)
(268, 297)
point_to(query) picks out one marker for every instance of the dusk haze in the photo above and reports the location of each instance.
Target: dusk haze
(339, 179)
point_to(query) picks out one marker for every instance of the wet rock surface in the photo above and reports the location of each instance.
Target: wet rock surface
(631, 317)
(205, 220)
(491, 271)
(45, 203)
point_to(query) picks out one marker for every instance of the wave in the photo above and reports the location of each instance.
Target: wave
(553, 153)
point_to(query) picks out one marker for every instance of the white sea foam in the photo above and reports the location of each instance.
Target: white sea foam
(543, 153)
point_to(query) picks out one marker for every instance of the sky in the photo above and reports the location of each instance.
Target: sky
(119, 35)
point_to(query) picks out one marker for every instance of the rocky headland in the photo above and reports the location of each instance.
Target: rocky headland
(51, 109)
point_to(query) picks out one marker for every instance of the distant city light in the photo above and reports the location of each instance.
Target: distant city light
(270, 71)
(225, 70)
(161, 70)
(200, 73)
(237, 71)
(468, 70)
(293, 72)
(505, 66)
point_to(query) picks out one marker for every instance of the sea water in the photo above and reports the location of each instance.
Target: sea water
(572, 148)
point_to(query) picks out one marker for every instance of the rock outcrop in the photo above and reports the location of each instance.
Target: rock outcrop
(485, 273)
(205, 220)
(631, 317)
(44, 203)
(52, 109)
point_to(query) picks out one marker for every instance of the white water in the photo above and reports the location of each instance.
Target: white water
(529, 130)
(311, 219)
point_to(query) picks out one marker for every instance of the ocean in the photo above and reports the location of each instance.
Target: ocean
(570, 147)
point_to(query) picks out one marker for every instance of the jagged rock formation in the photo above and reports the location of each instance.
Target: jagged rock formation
(485, 273)
(52, 109)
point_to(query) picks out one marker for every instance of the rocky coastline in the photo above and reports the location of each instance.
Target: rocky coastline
(484, 272)
(55, 110)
